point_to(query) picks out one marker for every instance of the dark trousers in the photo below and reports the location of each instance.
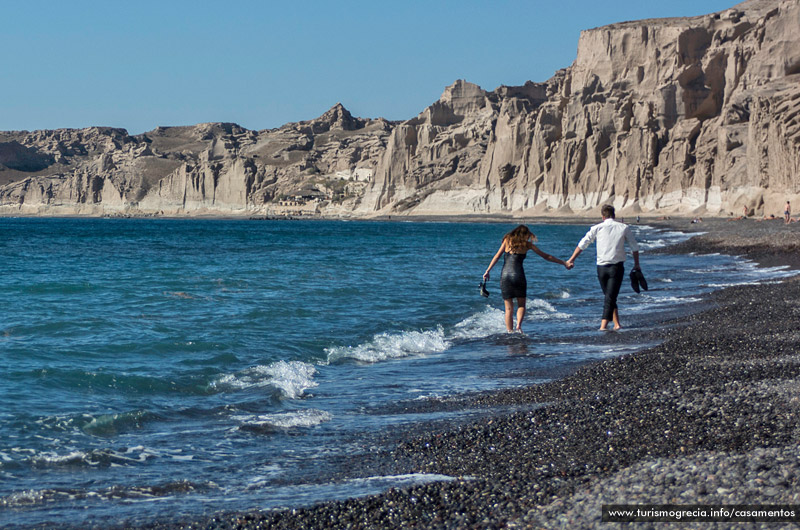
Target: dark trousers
(610, 277)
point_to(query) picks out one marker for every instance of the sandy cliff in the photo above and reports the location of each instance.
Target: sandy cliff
(671, 115)
(684, 114)
(212, 168)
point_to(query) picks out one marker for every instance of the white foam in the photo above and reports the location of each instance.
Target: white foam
(28, 497)
(653, 243)
(678, 299)
(731, 284)
(94, 457)
(542, 309)
(51, 458)
(407, 479)
(292, 378)
(482, 324)
(286, 420)
(490, 321)
(648, 302)
(114, 493)
(661, 238)
(392, 345)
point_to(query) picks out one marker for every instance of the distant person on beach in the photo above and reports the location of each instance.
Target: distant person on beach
(741, 217)
(513, 283)
(787, 213)
(611, 236)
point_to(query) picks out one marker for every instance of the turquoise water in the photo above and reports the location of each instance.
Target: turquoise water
(159, 368)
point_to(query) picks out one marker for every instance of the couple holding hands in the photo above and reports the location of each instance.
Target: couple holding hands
(610, 235)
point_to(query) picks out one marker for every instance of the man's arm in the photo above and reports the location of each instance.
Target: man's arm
(584, 243)
(575, 254)
(634, 246)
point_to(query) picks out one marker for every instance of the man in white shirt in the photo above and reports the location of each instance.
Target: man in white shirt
(611, 236)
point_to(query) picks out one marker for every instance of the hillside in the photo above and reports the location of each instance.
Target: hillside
(681, 115)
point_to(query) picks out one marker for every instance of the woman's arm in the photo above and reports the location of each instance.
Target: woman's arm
(494, 260)
(547, 256)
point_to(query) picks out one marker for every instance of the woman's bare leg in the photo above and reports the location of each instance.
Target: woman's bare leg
(509, 314)
(520, 312)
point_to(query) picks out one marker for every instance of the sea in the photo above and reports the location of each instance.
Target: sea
(156, 369)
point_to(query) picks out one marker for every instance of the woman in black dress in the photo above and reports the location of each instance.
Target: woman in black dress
(513, 284)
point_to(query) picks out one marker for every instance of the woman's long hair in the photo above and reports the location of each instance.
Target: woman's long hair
(517, 239)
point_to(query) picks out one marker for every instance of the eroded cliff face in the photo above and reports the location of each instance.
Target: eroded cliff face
(669, 115)
(683, 115)
(214, 168)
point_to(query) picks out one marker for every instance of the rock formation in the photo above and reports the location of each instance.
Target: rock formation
(682, 115)
(215, 168)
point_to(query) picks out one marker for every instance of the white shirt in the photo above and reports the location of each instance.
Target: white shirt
(611, 236)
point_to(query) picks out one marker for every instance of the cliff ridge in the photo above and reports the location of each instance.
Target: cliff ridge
(682, 115)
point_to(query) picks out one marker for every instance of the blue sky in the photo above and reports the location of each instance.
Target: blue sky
(141, 64)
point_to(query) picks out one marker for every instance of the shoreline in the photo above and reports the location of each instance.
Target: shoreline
(681, 422)
(589, 217)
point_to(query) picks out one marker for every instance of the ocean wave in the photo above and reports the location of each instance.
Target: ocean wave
(26, 498)
(408, 479)
(98, 425)
(647, 302)
(662, 239)
(490, 321)
(482, 324)
(392, 345)
(290, 378)
(782, 271)
(562, 294)
(283, 420)
(128, 383)
(750, 273)
(485, 323)
(19, 458)
(351, 487)
(542, 309)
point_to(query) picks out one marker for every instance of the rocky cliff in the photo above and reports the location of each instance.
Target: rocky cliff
(214, 168)
(684, 114)
(670, 115)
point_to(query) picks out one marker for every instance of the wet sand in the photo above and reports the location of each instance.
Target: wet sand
(710, 415)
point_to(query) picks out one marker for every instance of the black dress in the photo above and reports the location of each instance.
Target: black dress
(512, 280)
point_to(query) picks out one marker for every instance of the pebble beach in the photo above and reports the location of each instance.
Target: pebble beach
(711, 415)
